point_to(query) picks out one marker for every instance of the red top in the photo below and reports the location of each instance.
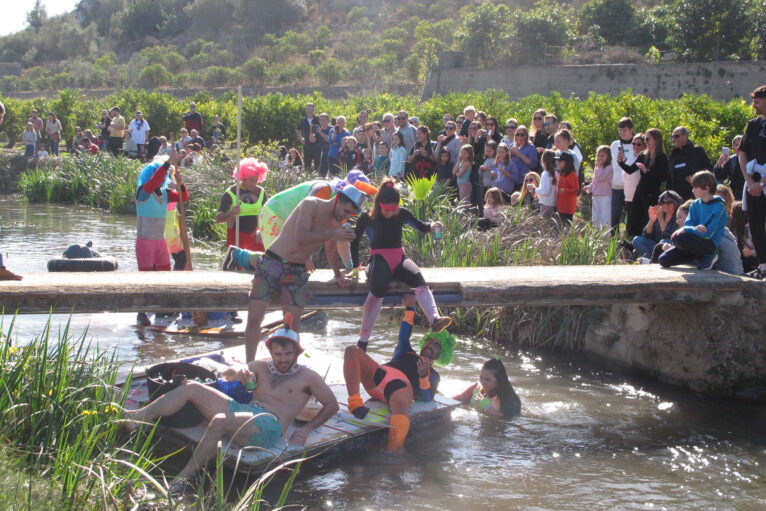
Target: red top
(157, 180)
(567, 187)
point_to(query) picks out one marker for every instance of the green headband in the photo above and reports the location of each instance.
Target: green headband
(447, 343)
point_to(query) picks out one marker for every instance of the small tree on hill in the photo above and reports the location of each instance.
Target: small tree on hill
(37, 16)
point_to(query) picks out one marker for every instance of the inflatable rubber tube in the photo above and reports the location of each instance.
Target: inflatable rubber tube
(91, 264)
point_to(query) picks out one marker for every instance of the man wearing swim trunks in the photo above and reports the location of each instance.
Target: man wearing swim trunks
(406, 376)
(280, 273)
(283, 389)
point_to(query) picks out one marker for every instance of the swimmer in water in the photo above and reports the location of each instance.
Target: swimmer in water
(493, 394)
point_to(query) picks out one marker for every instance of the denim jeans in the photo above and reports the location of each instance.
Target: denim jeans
(644, 246)
(54, 147)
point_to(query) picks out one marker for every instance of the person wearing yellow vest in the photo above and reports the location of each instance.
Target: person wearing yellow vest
(252, 197)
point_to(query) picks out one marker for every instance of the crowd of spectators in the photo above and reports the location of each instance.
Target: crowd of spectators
(132, 139)
(540, 166)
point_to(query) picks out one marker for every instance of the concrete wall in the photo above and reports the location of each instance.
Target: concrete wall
(332, 92)
(720, 80)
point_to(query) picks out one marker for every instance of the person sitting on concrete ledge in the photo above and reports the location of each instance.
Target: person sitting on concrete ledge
(283, 388)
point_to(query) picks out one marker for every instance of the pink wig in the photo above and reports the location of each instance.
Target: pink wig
(251, 167)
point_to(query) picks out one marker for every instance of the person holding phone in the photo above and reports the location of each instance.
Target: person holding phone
(727, 167)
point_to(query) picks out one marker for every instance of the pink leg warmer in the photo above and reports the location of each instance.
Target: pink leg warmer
(427, 303)
(372, 306)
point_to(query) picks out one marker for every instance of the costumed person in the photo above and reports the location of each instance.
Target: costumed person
(277, 209)
(283, 387)
(493, 395)
(153, 194)
(383, 226)
(397, 382)
(252, 198)
(173, 233)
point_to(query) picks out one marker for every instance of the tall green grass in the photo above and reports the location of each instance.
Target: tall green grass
(60, 413)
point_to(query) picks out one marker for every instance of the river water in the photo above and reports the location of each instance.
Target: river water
(587, 438)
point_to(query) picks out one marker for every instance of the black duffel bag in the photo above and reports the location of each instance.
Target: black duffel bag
(162, 378)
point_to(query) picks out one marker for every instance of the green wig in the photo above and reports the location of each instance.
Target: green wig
(447, 342)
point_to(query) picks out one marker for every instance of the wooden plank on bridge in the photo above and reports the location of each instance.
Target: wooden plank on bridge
(515, 285)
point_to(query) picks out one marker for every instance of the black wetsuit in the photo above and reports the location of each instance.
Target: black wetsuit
(386, 234)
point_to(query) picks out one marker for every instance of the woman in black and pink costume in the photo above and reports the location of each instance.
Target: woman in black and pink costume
(383, 226)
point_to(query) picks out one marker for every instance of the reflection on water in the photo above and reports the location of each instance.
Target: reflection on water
(587, 438)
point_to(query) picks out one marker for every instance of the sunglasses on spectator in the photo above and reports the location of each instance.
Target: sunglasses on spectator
(529, 180)
(521, 135)
(548, 124)
(511, 126)
(638, 143)
(490, 124)
(450, 128)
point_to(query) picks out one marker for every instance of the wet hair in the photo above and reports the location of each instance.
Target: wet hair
(725, 193)
(607, 150)
(704, 179)
(505, 393)
(388, 193)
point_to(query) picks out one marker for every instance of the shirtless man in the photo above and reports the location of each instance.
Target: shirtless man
(280, 273)
(283, 389)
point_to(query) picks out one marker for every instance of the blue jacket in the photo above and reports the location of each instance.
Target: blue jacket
(710, 214)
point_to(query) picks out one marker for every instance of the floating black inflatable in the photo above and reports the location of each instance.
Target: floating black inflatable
(82, 258)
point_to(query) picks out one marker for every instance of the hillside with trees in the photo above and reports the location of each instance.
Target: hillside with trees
(193, 43)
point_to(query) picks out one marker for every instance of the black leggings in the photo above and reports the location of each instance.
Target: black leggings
(686, 248)
(380, 275)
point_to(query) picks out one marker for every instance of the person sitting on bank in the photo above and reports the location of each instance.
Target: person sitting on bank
(397, 382)
(283, 388)
(493, 394)
(699, 237)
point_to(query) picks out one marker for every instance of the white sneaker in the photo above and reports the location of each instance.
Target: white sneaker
(644, 260)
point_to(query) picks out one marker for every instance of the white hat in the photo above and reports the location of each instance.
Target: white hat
(286, 332)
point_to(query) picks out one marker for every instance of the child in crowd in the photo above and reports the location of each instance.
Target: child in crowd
(350, 156)
(382, 161)
(601, 188)
(493, 395)
(701, 234)
(546, 191)
(727, 195)
(444, 167)
(30, 140)
(501, 172)
(567, 186)
(485, 170)
(527, 197)
(492, 215)
(462, 173)
(398, 156)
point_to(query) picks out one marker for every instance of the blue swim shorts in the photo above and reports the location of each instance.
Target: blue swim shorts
(270, 426)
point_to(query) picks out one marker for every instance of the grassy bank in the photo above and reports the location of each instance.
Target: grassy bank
(61, 437)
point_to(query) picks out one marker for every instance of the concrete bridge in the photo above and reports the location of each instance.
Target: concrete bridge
(703, 330)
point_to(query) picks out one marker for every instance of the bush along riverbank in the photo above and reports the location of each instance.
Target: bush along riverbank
(712, 124)
(63, 444)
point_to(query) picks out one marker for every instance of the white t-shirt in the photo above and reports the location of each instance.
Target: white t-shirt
(620, 178)
(138, 131)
